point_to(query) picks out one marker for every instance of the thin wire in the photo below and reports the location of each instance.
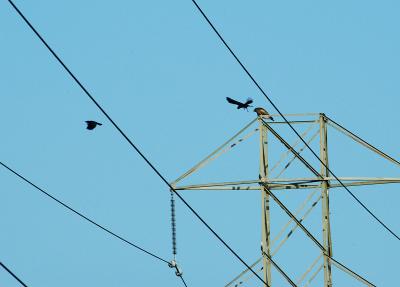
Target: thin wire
(131, 143)
(288, 123)
(319, 175)
(298, 222)
(13, 275)
(81, 215)
(183, 280)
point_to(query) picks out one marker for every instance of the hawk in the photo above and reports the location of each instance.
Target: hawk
(263, 113)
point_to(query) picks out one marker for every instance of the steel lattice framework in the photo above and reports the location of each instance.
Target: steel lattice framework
(320, 184)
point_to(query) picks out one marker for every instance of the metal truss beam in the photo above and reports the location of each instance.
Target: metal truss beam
(319, 180)
(293, 183)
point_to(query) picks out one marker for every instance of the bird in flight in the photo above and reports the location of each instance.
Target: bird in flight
(240, 105)
(92, 124)
(263, 113)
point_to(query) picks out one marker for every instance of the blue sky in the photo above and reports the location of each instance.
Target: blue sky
(163, 76)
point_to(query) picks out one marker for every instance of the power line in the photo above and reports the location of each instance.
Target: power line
(288, 123)
(147, 161)
(183, 280)
(81, 215)
(13, 275)
(131, 143)
(84, 217)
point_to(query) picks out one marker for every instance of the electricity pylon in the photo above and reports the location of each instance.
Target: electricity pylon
(321, 180)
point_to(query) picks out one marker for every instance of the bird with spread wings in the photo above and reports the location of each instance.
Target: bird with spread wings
(240, 105)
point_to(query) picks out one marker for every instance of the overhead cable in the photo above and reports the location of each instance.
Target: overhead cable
(13, 275)
(82, 215)
(183, 281)
(288, 123)
(130, 141)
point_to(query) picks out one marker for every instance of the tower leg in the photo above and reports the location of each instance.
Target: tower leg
(265, 215)
(326, 228)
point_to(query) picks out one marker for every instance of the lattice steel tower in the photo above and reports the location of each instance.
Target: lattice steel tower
(320, 184)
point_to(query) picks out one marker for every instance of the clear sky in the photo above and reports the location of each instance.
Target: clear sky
(163, 75)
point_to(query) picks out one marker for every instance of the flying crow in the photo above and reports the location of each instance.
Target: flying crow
(239, 104)
(92, 124)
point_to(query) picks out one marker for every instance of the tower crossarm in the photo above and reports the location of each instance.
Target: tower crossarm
(290, 183)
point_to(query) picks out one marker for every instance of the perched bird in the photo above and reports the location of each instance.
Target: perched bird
(239, 104)
(92, 124)
(263, 113)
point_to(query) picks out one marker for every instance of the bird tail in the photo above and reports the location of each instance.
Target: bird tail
(99, 124)
(272, 119)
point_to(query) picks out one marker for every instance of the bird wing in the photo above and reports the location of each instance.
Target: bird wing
(232, 101)
(249, 101)
(90, 125)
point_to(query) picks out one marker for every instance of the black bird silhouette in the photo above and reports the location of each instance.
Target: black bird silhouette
(239, 104)
(92, 124)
